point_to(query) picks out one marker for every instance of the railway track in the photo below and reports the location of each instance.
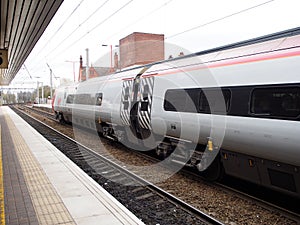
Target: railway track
(150, 203)
(41, 112)
(237, 207)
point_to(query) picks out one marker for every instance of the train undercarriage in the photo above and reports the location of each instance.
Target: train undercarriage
(278, 176)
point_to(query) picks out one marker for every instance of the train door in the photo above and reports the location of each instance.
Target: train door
(137, 97)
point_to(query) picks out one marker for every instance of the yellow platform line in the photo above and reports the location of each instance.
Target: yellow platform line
(2, 216)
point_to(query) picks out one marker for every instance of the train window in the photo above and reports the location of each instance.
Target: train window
(145, 99)
(84, 99)
(203, 103)
(125, 105)
(181, 100)
(70, 99)
(198, 100)
(98, 98)
(126, 99)
(144, 106)
(212, 101)
(282, 102)
(174, 100)
(192, 99)
(146, 92)
(227, 98)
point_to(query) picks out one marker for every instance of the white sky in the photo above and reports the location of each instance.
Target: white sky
(97, 22)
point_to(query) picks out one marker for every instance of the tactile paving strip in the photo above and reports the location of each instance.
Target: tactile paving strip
(48, 205)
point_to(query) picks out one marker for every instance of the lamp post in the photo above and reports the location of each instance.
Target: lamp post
(57, 78)
(111, 66)
(73, 62)
(37, 89)
(51, 73)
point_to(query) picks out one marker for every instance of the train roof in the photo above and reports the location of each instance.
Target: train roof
(269, 37)
(261, 39)
(247, 47)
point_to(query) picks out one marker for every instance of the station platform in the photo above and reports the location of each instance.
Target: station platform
(48, 106)
(39, 185)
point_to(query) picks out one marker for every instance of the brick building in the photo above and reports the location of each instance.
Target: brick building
(135, 49)
(93, 71)
(141, 48)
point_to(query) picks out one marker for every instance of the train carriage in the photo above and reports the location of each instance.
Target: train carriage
(233, 109)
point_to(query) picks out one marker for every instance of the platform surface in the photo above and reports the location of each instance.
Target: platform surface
(39, 185)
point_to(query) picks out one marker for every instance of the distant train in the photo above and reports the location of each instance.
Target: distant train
(232, 109)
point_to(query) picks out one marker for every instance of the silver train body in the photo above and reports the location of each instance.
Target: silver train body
(237, 107)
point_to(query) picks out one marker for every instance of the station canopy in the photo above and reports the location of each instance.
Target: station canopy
(22, 24)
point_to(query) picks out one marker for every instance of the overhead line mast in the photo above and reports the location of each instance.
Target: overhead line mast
(50, 80)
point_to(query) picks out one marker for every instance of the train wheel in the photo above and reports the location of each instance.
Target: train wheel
(161, 153)
(215, 171)
(61, 119)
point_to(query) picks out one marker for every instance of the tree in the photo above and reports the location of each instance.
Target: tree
(25, 97)
(9, 98)
(47, 91)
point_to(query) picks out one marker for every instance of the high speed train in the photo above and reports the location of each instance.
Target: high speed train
(232, 109)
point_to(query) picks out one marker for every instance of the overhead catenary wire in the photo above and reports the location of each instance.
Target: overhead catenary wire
(140, 18)
(73, 11)
(96, 26)
(167, 2)
(164, 4)
(219, 19)
(60, 27)
(27, 71)
(90, 15)
(79, 26)
(56, 32)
